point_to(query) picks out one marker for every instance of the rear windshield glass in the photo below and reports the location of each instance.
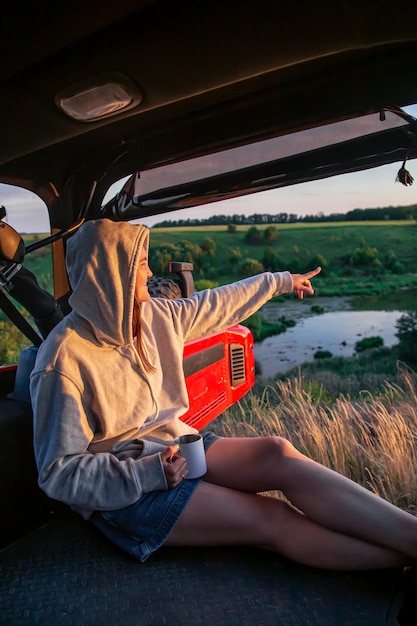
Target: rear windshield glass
(264, 151)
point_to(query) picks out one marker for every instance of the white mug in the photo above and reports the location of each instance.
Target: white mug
(192, 449)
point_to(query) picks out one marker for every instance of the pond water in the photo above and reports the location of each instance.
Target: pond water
(336, 330)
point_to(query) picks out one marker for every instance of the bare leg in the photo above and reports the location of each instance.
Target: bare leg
(218, 515)
(325, 497)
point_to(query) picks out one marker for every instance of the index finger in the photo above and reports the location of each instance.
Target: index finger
(313, 272)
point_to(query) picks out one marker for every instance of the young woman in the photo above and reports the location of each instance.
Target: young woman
(108, 392)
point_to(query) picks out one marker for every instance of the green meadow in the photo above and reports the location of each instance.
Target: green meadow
(352, 253)
(356, 257)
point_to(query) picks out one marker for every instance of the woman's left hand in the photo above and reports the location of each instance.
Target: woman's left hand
(301, 283)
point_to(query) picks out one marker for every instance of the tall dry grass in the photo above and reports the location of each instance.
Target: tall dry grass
(373, 441)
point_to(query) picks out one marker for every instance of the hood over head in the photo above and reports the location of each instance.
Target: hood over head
(102, 260)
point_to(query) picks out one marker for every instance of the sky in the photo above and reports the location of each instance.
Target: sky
(368, 189)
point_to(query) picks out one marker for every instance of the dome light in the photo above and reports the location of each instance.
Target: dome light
(103, 96)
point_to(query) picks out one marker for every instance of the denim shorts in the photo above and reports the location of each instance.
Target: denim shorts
(143, 527)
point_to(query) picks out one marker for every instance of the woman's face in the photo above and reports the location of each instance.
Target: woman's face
(143, 273)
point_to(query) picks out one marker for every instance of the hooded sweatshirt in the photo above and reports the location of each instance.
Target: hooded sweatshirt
(100, 419)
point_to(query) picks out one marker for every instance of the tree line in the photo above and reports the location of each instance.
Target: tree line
(408, 212)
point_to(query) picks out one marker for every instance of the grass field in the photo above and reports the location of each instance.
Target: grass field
(289, 226)
(303, 241)
(297, 248)
(371, 442)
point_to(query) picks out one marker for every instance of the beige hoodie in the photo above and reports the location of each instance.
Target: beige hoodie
(101, 421)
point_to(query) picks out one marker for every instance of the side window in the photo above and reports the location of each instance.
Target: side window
(27, 215)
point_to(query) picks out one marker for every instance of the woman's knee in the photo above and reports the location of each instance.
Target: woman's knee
(276, 458)
(278, 448)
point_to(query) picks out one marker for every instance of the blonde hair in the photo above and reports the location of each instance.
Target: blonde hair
(136, 329)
